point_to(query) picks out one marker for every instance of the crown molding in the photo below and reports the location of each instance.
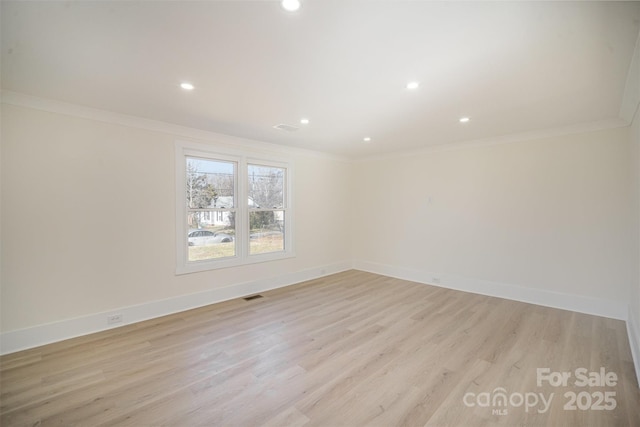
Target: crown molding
(594, 126)
(178, 131)
(75, 110)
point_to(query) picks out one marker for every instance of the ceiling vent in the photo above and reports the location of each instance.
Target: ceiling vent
(287, 128)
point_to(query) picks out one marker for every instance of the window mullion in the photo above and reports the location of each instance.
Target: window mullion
(242, 207)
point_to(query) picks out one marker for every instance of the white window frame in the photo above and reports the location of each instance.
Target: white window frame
(242, 160)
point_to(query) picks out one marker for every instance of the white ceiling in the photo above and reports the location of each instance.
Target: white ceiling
(511, 66)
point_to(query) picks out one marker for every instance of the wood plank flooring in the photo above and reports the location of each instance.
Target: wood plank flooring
(352, 349)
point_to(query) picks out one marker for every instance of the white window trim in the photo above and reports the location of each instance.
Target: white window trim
(242, 159)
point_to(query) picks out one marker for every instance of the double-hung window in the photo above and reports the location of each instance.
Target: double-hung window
(232, 208)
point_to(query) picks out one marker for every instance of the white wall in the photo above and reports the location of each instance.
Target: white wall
(633, 321)
(88, 223)
(545, 221)
(629, 111)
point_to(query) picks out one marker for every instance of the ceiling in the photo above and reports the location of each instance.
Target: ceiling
(511, 67)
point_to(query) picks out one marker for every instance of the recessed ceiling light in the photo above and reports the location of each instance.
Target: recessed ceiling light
(290, 5)
(464, 119)
(412, 85)
(304, 121)
(186, 86)
(366, 139)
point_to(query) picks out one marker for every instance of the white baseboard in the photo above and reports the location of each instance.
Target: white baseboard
(581, 304)
(578, 303)
(13, 341)
(23, 339)
(633, 331)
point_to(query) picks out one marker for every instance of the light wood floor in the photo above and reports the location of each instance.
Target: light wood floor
(350, 349)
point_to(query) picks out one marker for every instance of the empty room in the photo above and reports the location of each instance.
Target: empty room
(319, 213)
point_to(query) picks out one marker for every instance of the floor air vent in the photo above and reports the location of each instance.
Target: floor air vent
(252, 297)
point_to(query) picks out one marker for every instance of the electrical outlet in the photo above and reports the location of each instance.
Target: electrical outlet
(114, 318)
(435, 280)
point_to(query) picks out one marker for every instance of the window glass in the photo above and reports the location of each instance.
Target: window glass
(266, 232)
(210, 190)
(266, 186)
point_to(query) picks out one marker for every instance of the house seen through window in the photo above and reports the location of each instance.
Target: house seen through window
(211, 213)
